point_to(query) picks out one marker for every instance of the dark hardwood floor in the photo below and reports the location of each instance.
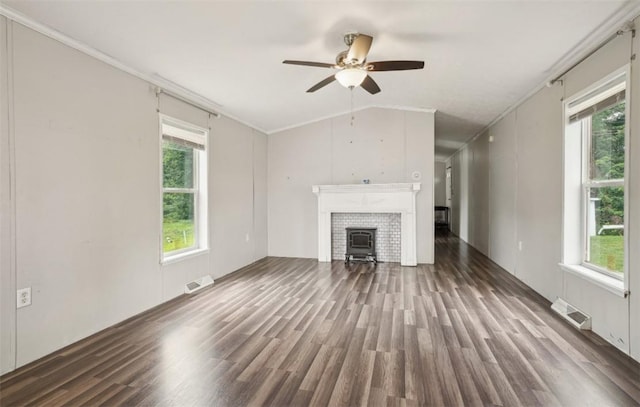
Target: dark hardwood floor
(298, 332)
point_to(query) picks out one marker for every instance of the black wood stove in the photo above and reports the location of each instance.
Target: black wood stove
(361, 245)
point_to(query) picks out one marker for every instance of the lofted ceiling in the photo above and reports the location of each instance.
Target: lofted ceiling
(481, 56)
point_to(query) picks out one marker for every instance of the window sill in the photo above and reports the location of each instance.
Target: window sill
(183, 256)
(610, 284)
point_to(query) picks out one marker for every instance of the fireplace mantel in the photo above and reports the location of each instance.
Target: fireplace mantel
(369, 198)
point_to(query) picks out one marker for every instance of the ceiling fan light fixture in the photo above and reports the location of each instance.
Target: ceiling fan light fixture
(351, 77)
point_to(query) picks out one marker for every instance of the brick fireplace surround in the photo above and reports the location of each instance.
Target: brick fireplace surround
(369, 198)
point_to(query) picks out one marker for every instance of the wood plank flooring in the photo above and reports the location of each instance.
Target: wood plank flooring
(298, 332)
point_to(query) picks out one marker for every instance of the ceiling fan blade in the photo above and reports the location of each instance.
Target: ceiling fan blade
(322, 84)
(359, 48)
(394, 65)
(307, 63)
(370, 85)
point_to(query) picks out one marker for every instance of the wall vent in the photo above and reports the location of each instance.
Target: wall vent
(570, 313)
(198, 284)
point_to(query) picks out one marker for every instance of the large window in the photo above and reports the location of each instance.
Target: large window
(184, 192)
(596, 120)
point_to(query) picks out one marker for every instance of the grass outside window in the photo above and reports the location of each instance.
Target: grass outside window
(178, 235)
(608, 252)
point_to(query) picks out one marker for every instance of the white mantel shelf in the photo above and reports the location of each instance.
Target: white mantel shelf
(414, 186)
(369, 198)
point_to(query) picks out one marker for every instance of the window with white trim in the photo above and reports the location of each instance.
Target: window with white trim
(184, 191)
(596, 139)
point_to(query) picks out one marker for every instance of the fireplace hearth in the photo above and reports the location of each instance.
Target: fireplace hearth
(361, 245)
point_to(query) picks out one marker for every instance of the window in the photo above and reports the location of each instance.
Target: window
(595, 148)
(184, 191)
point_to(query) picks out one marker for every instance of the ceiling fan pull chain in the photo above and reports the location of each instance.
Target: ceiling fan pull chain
(352, 116)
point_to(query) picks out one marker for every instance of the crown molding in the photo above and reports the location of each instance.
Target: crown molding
(342, 113)
(153, 79)
(620, 19)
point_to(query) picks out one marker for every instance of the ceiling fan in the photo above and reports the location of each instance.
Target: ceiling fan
(352, 65)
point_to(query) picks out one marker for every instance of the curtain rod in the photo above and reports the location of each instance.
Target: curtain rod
(627, 28)
(190, 103)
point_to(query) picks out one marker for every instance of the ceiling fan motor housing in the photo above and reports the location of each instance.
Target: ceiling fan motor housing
(341, 58)
(349, 37)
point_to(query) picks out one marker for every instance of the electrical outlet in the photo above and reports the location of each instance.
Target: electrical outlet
(520, 245)
(246, 237)
(24, 297)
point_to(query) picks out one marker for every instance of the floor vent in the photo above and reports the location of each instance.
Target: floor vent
(573, 315)
(198, 284)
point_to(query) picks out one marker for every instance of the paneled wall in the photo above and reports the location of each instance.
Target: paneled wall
(439, 184)
(85, 162)
(7, 259)
(515, 170)
(382, 145)
(503, 187)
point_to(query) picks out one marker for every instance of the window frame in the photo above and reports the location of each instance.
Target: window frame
(199, 191)
(570, 260)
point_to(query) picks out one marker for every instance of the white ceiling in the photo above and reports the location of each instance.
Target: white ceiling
(481, 56)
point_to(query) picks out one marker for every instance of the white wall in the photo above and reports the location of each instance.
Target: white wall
(470, 202)
(460, 193)
(239, 209)
(383, 145)
(503, 187)
(524, 197)
(539, 191)
(457, 198)
(7, 276)
(439, 183)
(87, 195)
(479, 181)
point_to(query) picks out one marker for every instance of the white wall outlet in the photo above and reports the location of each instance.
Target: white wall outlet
(246, 237)
(24, 297)
(520, 245)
